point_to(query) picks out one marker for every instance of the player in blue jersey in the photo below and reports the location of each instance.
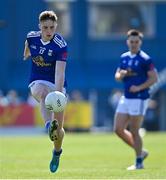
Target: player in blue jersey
(48, 52)
(137, 72)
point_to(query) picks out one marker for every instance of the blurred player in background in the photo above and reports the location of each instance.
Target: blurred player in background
(137, 72)
(48, 51)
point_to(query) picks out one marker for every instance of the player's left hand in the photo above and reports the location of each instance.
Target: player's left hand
(134, 89)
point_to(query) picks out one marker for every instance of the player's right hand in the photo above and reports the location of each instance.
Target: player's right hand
(123, 73)
(120, 74)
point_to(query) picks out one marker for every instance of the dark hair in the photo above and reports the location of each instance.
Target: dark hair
(47, 15)
(134, 32)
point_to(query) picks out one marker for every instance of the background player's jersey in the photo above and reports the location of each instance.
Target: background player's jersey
(138, 65)
(44, 56)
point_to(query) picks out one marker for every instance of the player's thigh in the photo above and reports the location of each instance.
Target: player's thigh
(39, 91)
(121, 121)
(121, 118)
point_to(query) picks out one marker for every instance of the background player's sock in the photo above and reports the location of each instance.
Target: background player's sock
(139, 160)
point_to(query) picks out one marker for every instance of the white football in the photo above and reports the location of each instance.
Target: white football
(55, 101)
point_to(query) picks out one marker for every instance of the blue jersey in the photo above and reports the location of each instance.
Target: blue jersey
(138, 65)
(44, 56)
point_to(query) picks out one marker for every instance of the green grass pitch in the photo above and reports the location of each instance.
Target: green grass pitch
(85, 156)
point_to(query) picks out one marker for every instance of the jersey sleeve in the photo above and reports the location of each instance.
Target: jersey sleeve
(121, 65)
(148, 65)
(31, 35)
(62, 53)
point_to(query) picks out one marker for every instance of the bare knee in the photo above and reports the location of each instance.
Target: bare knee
(39, 92)
(121, 121)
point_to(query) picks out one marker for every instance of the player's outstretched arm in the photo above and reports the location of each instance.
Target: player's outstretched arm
(60, 75)
(27, 53)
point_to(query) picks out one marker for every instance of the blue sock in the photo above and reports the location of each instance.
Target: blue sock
(57, 153)
(47, 125)
(139, 160)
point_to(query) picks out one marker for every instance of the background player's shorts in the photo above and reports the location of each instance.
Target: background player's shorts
(133, 107)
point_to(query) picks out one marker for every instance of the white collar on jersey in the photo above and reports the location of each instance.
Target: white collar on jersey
(132, 55)
(44, 42)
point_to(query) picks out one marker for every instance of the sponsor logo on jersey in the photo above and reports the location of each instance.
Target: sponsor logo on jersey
(39, 61)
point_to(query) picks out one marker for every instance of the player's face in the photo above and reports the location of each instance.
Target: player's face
(134, 44)
(48, 29)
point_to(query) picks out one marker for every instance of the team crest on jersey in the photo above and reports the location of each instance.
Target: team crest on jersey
(50, 52)
(130, 62)
(136, 63)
